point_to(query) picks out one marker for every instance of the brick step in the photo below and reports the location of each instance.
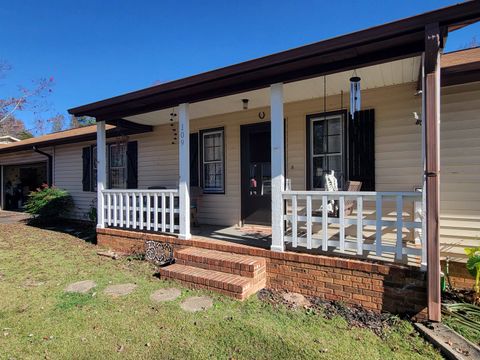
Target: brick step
(236, 286)
(243, 265)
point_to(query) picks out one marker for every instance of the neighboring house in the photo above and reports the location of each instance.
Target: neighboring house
(251, 144)
(6, 139)
(57, 159)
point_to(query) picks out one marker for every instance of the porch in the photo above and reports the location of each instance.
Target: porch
(382, 226)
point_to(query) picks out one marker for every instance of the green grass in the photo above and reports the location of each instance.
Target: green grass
(38, 320)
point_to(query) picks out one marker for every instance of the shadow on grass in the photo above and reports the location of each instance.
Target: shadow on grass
(84, 230)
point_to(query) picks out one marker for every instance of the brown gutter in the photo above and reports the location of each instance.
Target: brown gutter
(399, 39)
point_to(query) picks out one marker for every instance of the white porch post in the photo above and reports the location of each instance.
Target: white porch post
(184, 170)
(278, 182)
(101, 172)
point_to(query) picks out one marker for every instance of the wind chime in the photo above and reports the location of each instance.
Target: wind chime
(174, 130)
(355, 98)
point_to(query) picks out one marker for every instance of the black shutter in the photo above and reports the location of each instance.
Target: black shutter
(361, 164)
(132, 165)
(87, 175)
(194, 159)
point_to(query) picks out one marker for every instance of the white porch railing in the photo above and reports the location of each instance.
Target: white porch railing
(389, 218)
(153, 210)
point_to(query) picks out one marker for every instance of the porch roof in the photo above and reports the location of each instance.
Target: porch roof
(396, 40)
(71, 136)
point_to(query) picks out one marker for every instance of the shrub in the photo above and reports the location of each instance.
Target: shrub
(48, 204)
(473, 267)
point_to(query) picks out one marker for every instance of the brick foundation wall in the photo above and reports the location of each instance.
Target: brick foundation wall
(459, 276)
(376, 286)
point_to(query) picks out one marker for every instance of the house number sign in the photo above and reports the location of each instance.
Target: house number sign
(182, 135)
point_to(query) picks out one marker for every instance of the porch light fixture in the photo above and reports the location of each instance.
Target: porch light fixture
(355, 98)
(245, 104)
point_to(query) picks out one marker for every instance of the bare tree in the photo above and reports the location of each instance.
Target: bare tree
(57, 122)
(31, 98)
(81, 121)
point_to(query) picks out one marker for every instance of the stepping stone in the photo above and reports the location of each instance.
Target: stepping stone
(296, 299)
(81, 287)
(119, 290)
(196, 303)
(165, 295)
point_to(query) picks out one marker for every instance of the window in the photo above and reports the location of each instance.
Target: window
(326, 148)
(122, 168)
(117, 171)
(213, 174)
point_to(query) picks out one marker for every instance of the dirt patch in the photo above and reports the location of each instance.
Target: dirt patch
(81, 287)
(119, 290)
(354, 315)
(197, 303)
(162, 295)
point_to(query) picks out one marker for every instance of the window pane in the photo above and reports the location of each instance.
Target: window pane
(318, 137)
(335, 163)
(334, 144)
(318, 172)
(334, 127)
(213, 147)
(213, 176)
(117, 155)
(118, 178)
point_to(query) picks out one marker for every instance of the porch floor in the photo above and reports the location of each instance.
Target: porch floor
(260, 236)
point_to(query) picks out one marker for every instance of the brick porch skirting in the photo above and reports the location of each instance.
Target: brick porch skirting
(377, 286)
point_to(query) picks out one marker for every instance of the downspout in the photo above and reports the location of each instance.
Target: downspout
(49, 164)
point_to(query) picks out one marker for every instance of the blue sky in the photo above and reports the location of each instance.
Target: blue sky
(102, 48)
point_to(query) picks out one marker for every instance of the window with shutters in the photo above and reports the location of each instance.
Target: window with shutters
(327, 148)
(343, 144)
(121, 166)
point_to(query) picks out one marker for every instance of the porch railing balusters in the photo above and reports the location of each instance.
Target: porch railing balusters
(164, 209)
(342, 222)
(378, 225)
(155, 212)
(359, 225)
(140, 213)
(115, 210)
(309, 222)
(172, 215)
(149, 211)
(399, 250)
(294, 222)
(120, 198)
(134, 209)
(324, 222)
(370, 222)
(109, 210)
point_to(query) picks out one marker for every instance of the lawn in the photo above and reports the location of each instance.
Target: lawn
(38, 320)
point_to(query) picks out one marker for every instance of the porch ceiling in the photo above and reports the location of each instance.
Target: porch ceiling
(386, 74)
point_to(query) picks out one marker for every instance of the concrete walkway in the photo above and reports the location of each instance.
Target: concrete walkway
(12, 217)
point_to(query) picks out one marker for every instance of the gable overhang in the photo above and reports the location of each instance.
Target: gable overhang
(393, 41)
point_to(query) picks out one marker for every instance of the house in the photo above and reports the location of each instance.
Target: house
(249, 146)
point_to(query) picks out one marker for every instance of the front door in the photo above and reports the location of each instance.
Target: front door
(256, 174)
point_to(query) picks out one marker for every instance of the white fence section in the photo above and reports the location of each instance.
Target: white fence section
(362, 222)
(151, 210)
